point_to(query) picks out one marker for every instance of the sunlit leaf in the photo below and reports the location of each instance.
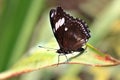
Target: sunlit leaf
(42, 58)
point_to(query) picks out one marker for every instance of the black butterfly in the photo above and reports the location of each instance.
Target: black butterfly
(70, 33)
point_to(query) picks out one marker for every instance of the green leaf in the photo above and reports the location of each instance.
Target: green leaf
(17, 23)
(39, 58)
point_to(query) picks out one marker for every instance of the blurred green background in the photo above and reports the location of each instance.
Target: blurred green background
(25, 24)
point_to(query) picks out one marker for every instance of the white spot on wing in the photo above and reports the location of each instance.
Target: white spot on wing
(82, 40)
(62, 21)
(59, 23)
(52, 14)
(56, 26)
(66, 28)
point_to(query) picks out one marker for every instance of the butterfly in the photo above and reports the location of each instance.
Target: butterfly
(71, 33)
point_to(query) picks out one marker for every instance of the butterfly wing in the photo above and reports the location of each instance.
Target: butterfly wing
(70, 33)
(55, 17)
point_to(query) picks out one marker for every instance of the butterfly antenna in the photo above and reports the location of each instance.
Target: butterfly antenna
(47, 48)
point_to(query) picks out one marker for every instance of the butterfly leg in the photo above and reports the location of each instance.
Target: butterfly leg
(66, 59)
(59, 58)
